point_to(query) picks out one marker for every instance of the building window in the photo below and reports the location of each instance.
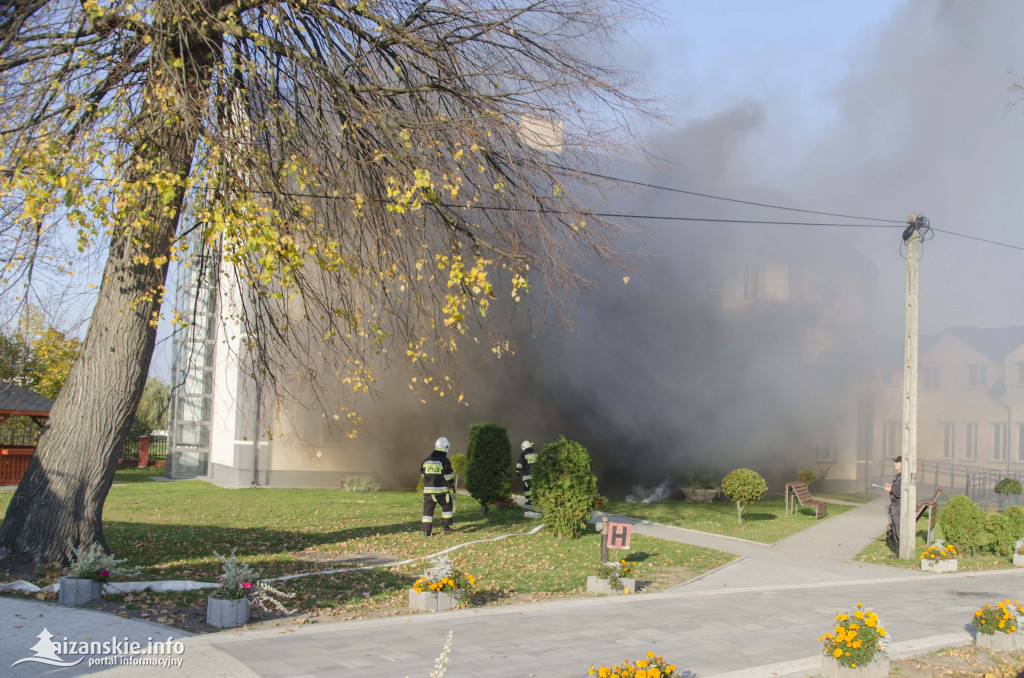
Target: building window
(948, 440)
(752, 281)
(825, 447)
(890, 377)
(929, 377)
(971, 440)
(892, 438)
(999, 441)
(977, 375)
(1020, 442)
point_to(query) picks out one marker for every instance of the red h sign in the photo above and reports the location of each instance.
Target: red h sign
(618, 535)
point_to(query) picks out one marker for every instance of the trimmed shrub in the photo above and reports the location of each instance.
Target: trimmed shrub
(963, 524)
(361, 484)
(459, 464)
(744, 486)
(1009, 486)
(1015, 520)
(564, 486)
(1002, 536)
(489, 464)
(419, 484)
(806, 477)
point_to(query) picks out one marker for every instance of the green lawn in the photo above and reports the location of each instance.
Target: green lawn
(764, 521)
(171, 530)
(879, 551)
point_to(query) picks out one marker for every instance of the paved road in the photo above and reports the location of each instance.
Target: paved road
(758, 616)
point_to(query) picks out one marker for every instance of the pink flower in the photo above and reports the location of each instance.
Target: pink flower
(105, 573)
(247, 585)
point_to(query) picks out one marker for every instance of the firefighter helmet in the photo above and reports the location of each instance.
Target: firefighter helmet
(526, 445)
(442, 445)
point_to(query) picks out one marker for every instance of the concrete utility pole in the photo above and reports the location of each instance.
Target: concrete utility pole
(916, 226)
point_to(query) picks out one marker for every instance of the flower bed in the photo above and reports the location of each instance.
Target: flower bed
(1000, 627)
(651, 667)
(939, 557)
(440, 587)
(856, 642)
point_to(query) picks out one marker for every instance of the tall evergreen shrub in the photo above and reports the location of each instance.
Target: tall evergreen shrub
(564, 486)
(1014, 516)
(489, 459)
(962, 522)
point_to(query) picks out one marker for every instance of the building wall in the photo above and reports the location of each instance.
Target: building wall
(951, 406)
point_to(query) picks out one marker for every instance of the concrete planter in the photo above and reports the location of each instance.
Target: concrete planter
(876, 668)
(700, 494)
(1018, 559)
(227, 612)
(597, 585)
(939, 565)
(433, 601)
(998, 642)
(75, 591)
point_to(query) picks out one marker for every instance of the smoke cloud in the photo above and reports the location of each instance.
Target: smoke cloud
(679, 370)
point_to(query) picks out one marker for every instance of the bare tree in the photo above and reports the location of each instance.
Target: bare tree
(374, 172)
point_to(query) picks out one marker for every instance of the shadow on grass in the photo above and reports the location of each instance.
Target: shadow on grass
(758, 516)
(638, 556)
(183, 548)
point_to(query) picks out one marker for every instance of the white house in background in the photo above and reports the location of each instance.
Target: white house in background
(970, 398)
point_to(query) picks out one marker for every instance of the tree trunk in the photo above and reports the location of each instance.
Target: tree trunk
(739, 512)
(62, 493)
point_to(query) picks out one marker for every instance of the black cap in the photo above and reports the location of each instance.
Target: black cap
(898, 460)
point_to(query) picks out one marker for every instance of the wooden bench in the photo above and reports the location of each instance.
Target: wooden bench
(799, 492)
(931, 507)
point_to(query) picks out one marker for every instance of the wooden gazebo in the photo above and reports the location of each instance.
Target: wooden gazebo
(14, 402)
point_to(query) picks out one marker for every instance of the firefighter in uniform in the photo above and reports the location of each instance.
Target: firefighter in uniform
(438, 487)
(527, 459)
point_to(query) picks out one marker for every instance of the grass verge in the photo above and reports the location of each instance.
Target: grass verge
(879, 552)
(764, 522)
(172, 529)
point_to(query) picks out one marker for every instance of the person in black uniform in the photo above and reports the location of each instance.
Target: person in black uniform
(527, 459)
(894, 500)
(438, 487)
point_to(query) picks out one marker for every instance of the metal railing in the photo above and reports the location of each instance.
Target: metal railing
(157, 451)
(977, 482)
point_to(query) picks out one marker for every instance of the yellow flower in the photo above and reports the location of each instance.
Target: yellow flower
(641, 664)
(604, 672)
(838, 653)
(881, 632)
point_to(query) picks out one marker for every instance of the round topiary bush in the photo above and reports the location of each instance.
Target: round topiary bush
(744, 486)
(1009, 486)
(564, 486)
(963, 524)
(806, 477)
(489, 464)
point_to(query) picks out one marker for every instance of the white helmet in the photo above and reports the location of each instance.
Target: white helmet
(526, 445)
(442, 445)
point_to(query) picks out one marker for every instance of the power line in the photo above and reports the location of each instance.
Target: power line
(736, 200)
(603, 215)
(974, 237)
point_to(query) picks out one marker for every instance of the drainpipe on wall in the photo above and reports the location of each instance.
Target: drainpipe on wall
(256, 430)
